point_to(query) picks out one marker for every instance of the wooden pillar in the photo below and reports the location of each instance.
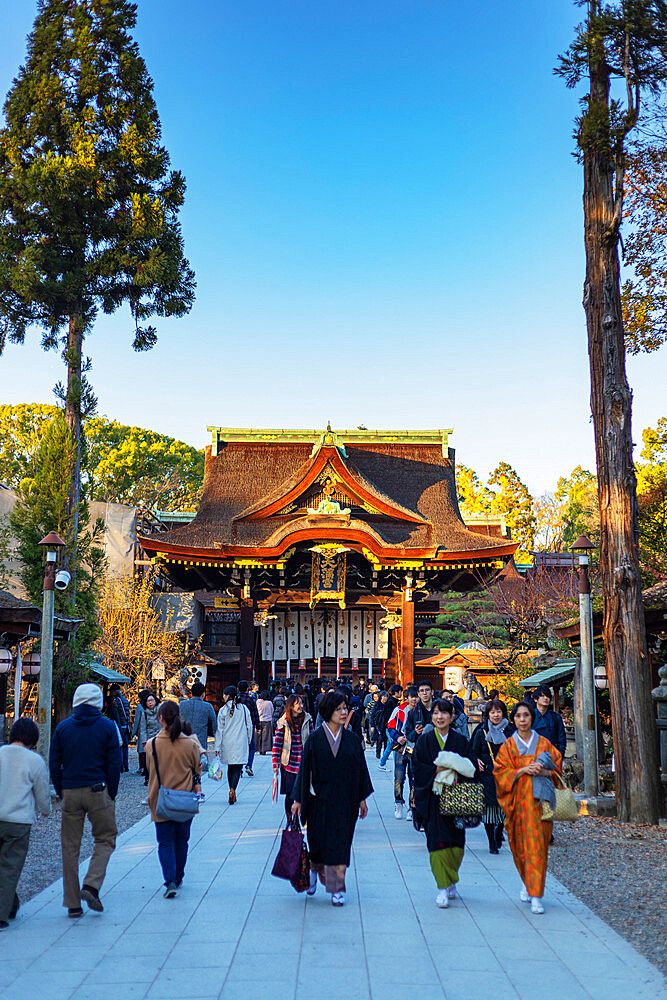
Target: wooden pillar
(407, 651)
(247, 641)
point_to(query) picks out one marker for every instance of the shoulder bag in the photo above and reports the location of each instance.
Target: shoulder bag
(463, 800)
(172, 803)
(565, 810)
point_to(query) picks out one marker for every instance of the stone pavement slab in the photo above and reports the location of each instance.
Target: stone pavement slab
(234, 931)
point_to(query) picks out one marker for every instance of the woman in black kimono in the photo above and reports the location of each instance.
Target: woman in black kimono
(329, 794)
(445, 841)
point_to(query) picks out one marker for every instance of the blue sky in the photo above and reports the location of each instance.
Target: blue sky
(384, 217)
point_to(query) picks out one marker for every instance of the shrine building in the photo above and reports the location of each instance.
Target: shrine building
(322, 552)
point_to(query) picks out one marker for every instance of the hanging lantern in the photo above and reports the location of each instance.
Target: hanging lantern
(600, 676)
(5, 661)
(31, 666)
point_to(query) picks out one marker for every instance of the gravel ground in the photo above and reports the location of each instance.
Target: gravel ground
(43, 864)
(619, 871)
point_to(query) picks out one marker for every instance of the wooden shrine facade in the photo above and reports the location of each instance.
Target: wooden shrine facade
(314, 548)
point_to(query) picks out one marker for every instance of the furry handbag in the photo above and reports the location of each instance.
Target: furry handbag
(566, 805)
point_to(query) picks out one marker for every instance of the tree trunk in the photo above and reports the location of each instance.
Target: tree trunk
(637, 780)
(73, 417)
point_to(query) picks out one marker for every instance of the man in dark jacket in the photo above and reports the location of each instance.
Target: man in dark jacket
(420, 715)
(247, 699)
(547, 722)
(84, 762)
(200, 714)
(123, 708)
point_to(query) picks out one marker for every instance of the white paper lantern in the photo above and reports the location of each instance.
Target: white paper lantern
(31, 665)
(600, 677)
(5, 661)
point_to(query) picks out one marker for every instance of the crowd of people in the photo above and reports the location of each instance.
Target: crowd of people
(319, 736)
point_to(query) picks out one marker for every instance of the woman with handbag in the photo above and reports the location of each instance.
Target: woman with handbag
(330, 794)
(520, 763)
(173, 762)
(292, 730)
(444, 839)
(487, 739)
(233, 737)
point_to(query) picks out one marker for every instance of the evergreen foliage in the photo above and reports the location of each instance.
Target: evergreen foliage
(121, 464)
(88, 203)
(505, 494)
(467, 618)
(42, 506)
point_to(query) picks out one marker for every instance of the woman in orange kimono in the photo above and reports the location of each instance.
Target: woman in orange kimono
(529, 835)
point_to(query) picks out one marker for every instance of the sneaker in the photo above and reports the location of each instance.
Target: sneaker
(398, 811)
(382, 767)
(74, 911)
(170, 890)
(494, 850)
(15, 907)
(312, 887)
(92, 898)
(338, 899)
(201, 797)
(523, 895)
(249, 771)
(232, 796)
(408, 814)
(536, 905)
(442, 899)
(144, 802)
(4, 924)
(451, 892)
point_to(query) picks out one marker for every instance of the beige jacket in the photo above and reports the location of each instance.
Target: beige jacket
(178, 761)
(306, 727)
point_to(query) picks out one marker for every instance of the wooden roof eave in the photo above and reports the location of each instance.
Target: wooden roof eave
(354, 537)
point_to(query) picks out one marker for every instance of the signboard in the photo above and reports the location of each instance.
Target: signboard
(225, 602)
(454, 678)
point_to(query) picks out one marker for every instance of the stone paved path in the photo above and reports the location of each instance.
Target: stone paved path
(235, 932)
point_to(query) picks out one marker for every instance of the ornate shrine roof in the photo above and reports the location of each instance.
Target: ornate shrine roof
(391, 493)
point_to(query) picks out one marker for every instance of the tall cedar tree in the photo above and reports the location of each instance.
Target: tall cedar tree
(621, 51)
(88, 202)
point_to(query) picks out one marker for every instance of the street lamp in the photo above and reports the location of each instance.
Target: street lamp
(583, 547)
(53, 546)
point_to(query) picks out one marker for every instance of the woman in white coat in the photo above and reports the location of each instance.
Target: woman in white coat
(232, 738)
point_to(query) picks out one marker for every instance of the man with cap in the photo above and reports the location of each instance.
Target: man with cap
(85, 762)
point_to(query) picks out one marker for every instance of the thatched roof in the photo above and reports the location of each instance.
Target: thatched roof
(415, 480)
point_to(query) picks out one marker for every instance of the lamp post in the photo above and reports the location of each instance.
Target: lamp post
(53, 545)
(583, 546)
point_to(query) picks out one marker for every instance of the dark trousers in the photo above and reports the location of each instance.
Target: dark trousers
(172, 849)
(14, 839)
(494, 833)
(251, 750)
(380, 741)
(234, 774)
(125, 764)
(402, 767)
